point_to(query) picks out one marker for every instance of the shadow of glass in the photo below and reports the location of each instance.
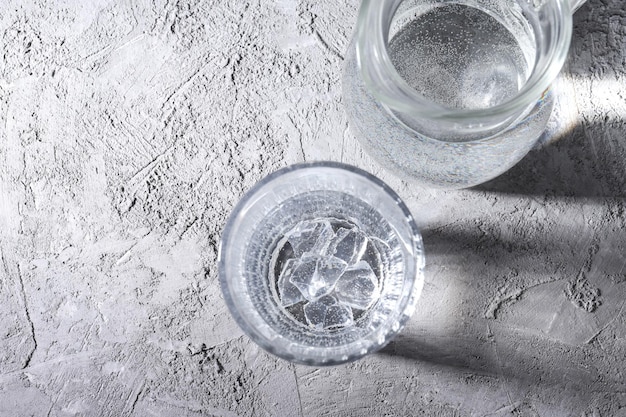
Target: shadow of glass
(518, 339)
(590, 159)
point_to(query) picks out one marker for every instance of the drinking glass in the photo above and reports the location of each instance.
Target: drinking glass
(321, 263)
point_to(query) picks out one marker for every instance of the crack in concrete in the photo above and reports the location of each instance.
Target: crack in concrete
(295, 375)
(619, 313)
(492, 337)
(29, 357)
(327, 46)
(299, 137)
(136, 399)
(503, 296)
(343, 140)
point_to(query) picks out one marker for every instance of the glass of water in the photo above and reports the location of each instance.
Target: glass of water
(321, 263)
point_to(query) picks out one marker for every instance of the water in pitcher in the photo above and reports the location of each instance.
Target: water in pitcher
(460, 56)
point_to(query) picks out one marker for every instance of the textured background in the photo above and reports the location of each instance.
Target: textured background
(129, 131)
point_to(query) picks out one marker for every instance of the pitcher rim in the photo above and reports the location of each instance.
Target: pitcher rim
(371, 44)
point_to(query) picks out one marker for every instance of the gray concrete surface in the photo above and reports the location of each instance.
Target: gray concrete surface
(129, 130)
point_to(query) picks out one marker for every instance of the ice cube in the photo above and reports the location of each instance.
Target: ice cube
(289, 293)
(348, 245)
(310, 237)
(358, 286)
(315, 312)
(304, 276)
(316, 276)
(329, 271)
(338, 315)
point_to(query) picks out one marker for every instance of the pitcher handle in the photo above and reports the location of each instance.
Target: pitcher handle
(575, 4)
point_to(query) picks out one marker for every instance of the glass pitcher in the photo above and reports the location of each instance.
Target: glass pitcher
(452, 93)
